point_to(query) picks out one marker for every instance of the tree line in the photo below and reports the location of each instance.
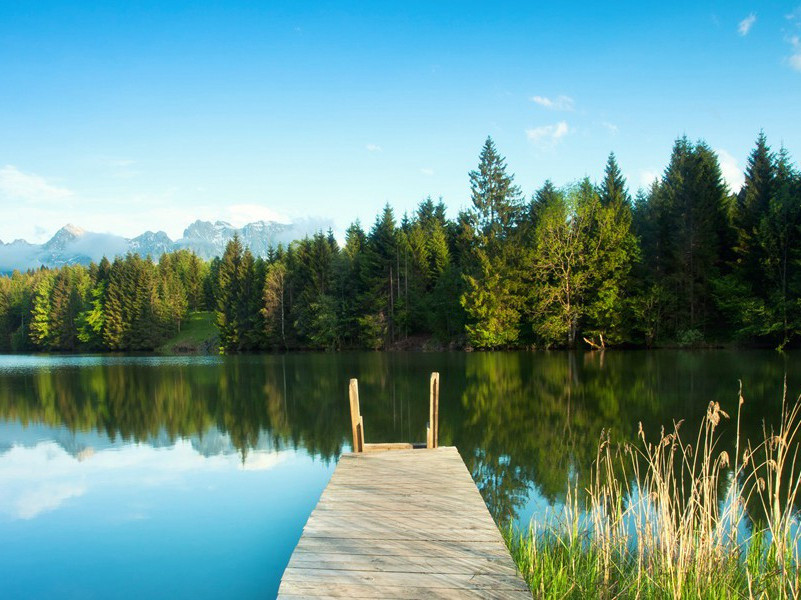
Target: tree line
(684, 262)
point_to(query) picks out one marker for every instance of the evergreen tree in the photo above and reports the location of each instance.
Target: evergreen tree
(495, 197)
(351, 282)
(613, 188)
(760, 295)
(40, 333)
(115, 324)
(492, 298)
(689, 227)
(753, 204)
(382, 278)
(274, 310)
(239, 299)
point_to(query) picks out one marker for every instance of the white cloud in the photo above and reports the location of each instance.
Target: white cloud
(547, 135)
(242, 214)
(262, 461)
(558, 103)
(746, 24)
(648, 176)
(731, 171)
(45, 498)
(794, 60)
(43, 478)
(610, 127)
(16, 185)
(427, 171)
(373, 148)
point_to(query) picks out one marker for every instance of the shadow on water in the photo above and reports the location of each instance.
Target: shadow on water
(526, 424)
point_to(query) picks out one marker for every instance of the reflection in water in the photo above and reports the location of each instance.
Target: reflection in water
(525, 423)
(202, 471)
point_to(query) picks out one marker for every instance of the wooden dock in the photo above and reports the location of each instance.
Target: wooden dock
(401, 523)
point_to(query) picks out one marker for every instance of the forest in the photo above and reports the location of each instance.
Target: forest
(684, 263)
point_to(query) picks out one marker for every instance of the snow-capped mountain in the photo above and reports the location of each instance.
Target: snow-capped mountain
(150, 243)
(73, 245)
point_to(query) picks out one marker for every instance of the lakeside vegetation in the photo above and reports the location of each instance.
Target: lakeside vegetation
(672, 519)
(684, 262)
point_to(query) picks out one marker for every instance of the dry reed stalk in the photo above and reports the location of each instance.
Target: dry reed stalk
(684, 541)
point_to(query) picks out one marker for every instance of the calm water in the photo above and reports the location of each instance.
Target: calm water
(130, 477)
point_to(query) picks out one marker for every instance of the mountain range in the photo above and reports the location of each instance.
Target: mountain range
(72, 245)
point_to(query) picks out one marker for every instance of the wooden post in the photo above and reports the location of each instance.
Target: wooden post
(433, 417)
(356, 422)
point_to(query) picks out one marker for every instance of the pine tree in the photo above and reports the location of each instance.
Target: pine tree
(274, 309)
(491, 303)
(546, 195)
(613, 189)
(351, 286)
(760, 296)
(40, 325)
(753, 203)
(239, 298)
(496, 199)
(115, 324)
(492, 298)
(382, 276)
(689, 229)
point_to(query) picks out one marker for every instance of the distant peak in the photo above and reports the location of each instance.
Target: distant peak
(72, 229)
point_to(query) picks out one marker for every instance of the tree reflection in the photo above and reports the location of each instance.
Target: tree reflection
(525, 423)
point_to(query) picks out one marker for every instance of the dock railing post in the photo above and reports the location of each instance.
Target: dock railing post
(432, 431)
(356, 421)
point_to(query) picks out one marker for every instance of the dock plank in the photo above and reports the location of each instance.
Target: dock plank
(401, 524)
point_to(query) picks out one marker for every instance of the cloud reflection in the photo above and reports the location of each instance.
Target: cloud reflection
(45, 477)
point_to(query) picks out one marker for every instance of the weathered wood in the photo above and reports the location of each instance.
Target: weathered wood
(387, 446)
(433, 416)
(400, 564)
(355, 415)
(294, 590)
(402, 524)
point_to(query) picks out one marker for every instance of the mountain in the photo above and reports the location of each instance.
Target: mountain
(153, 244)
(72, 245)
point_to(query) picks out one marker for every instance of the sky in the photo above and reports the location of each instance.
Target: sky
(125, 117)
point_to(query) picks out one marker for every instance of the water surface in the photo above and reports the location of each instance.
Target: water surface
(128, 477)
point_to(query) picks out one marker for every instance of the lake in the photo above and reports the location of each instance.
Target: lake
(173, 477)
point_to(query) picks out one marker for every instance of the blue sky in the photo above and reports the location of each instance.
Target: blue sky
(134, 116)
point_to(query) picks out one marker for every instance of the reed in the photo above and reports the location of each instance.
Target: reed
(676, 519)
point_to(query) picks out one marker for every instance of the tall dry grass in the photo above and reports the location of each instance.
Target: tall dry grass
(676, 519)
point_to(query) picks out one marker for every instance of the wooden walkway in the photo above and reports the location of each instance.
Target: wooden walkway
(401, 524)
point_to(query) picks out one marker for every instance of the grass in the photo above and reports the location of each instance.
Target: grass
(198, 335)
(659, 520)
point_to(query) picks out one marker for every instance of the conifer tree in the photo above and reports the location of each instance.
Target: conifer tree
(274, 310)
(115, 324)
(492, 297)
(613, 188)
(40, 326)
(495, 197)
(753, 203)
(382, 278)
